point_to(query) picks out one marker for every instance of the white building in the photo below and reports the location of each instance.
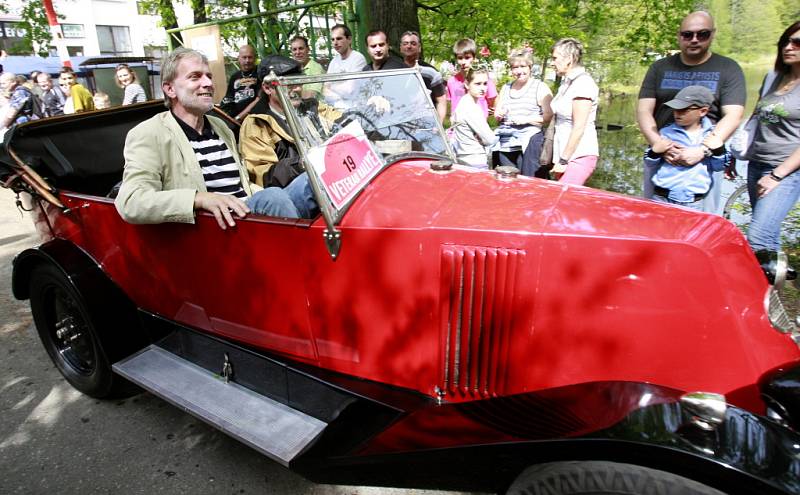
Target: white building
(97, 28)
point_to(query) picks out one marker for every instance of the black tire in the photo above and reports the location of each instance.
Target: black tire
(601, 477)
(67, 332)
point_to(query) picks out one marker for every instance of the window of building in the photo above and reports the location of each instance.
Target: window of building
(114, 40)
(12, 39)
(73, 31)
(75, 51)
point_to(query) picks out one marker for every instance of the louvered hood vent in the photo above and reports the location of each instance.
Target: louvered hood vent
(478, 299)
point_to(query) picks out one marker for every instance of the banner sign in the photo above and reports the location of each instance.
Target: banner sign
(345, 163)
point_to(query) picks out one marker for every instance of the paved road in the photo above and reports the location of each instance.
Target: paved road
(55, 440)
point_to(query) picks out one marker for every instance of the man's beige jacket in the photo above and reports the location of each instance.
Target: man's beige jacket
(162, 173)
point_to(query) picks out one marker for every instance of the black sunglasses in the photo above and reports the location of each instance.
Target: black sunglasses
(702, 35)
(795, 42)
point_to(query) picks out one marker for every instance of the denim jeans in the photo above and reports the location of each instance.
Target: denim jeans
(302, 196)
(770, 210)
(711, 203)
(294, 201)
(694, 205)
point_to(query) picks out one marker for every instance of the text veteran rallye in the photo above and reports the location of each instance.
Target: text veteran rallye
(435, 326)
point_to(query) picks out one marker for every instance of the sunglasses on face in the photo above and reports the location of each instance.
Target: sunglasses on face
(702, 35)
(795, 42)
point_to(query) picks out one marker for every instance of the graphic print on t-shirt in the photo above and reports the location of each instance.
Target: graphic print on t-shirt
(678, 79)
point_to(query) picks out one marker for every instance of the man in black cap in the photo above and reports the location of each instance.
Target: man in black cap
(677, 184)
(265, 140)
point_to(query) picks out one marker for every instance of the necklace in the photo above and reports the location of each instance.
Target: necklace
(788, 85)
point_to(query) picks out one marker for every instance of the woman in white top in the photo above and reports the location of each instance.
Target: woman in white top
(471, 132)
(575, 108)
(126, 79)
(522, 107)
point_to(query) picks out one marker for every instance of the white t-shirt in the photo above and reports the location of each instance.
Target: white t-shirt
(576, 84)
(353, 63)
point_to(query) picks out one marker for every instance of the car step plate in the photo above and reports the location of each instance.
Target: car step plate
(276, 430)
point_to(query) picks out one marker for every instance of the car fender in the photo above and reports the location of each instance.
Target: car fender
(746, 453)
(114, 315)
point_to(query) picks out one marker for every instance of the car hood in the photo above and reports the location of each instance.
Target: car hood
(410, 195)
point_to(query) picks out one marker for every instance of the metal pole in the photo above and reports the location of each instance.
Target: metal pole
(55, 31)
(257, 24)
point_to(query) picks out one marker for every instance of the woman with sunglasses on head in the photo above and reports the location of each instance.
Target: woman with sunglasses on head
(127, 80)
(772, 178)
(575, 148)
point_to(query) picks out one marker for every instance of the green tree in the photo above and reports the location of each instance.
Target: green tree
(37, 30)
(754, 26)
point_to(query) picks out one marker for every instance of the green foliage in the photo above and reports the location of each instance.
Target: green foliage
(754, 25)
(37, 30)
(618, 34)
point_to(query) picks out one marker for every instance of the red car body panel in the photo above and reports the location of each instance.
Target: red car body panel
(463, 286)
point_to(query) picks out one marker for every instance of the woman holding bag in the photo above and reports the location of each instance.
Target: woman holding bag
(523, 107)
(772, 178)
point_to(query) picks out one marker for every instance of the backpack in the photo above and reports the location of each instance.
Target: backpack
(33, 105)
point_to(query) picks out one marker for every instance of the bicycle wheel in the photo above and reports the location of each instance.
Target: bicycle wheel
(737, 208)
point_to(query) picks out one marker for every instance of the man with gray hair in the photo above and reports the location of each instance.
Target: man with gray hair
(694, 65)
(52, 97)
(22, 104)
(411, 48)
(182, 160)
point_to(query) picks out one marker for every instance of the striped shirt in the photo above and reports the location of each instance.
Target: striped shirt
(220, 170)
(134, 93)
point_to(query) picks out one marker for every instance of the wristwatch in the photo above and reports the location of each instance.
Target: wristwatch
(775, 177)
(563, 161)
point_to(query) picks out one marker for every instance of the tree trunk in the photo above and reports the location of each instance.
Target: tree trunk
(199, 11)
(394, 17)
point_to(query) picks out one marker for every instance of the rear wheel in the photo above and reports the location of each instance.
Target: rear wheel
(68, 335)
(603, 478)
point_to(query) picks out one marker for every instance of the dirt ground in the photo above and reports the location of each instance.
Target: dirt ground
(55, 440)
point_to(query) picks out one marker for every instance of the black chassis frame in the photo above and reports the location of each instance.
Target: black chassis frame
(747, 453)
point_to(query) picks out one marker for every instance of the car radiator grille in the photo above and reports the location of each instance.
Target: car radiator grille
(478, 296)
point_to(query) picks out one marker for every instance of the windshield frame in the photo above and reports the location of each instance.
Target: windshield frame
(331, 214)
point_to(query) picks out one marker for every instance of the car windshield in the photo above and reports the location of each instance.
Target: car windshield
(392, 107)
(348, 127)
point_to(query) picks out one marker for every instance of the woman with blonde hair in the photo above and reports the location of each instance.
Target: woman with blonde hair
(127, 80)
(575, 109)
(523, 107)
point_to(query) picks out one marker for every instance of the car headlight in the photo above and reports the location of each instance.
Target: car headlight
(778, 316)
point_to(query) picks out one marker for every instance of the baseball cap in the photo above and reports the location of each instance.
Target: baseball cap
(699, 96)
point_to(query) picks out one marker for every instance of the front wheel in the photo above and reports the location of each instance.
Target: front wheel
(603, 478)
(68, 334)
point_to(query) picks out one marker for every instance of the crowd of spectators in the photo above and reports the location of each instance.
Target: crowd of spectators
(690, 106)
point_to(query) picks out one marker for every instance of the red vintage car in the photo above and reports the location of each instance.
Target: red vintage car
(434, 326)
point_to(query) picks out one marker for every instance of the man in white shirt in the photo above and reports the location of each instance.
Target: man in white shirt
(346, 59)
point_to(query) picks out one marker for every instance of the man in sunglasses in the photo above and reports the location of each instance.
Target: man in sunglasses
(694, 65)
